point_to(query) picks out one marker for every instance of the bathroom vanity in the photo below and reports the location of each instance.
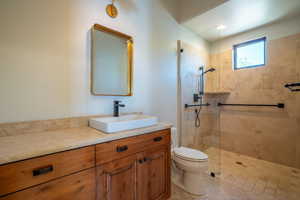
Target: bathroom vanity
(134, 166)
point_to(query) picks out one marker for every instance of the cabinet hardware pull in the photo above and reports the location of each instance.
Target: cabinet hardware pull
(122, 148)
(143, 160)
(147, 159)
(42, 170)
(157, 139)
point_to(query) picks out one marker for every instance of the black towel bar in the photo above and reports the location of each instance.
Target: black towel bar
(279, 105)
(195, 105)
(291, 86)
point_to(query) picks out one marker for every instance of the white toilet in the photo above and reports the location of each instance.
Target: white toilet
(191, 169)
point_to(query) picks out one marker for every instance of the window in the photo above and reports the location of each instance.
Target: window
(250, 54)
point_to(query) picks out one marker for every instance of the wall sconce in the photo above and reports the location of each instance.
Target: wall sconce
(111, 10)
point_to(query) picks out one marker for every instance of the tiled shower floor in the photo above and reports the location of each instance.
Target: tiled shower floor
(246, 178)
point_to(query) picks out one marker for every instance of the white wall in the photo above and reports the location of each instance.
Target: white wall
(164, 62)
(273, 31)
(34, 70)
(45, 57)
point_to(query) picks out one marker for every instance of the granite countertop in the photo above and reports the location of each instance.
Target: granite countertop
(26, 146)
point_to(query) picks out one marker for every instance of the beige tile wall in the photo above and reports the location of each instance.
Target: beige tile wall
(10, 129)
(17, 128)
(270, 134)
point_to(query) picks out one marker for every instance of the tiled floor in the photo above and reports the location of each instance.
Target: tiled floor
(246, 178)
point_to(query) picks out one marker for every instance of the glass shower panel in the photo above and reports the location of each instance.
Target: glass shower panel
(206, 137)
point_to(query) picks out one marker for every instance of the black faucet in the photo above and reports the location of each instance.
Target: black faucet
(116, 108)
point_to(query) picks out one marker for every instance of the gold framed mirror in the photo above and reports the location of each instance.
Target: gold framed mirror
(112, 62)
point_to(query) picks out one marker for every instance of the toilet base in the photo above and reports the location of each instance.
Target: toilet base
(195, 183)
(183, 180)
(181, 186)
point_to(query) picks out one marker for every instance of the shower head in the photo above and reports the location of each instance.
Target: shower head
(209, 70)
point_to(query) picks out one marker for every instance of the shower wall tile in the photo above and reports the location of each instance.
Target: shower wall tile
(298, 58)
(192, 135)
(246, 138)
(228, 141)
(279, 141)
(298, 147)
(270, 134)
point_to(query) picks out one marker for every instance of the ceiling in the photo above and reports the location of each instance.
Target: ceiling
(203, 17)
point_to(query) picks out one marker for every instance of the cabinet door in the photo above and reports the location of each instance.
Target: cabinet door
(142, 177)
(159, 173)
(117, 180)
(154, 174)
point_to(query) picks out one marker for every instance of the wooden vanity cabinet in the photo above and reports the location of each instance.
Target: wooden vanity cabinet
(116, 180)
(144, 175)
(135, 168)
(153, 174)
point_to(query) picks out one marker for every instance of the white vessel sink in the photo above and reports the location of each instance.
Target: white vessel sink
(122, 123)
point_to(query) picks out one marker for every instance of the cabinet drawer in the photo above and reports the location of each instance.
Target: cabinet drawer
(23, 174)
(109, 151)
(79, 186)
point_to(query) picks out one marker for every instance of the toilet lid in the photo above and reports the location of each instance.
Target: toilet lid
(190, 154)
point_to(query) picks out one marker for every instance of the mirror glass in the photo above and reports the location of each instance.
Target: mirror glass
(111, 62)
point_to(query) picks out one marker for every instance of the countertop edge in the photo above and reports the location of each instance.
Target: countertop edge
(109, 138)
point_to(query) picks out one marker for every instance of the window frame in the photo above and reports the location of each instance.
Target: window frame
(235, 47)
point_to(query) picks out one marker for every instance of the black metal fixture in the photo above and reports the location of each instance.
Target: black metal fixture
(212, 174)
(279, 105)
(199, 96)
(143, 160)
(195, 105)
(293, 87)
(122, 148)
(157, 139)
(197, 111)
(201, 79)
(117, 105)
(209, 70)
(43, 170)
(196, 97)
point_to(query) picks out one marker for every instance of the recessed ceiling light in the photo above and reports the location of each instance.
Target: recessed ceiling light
(221, 27)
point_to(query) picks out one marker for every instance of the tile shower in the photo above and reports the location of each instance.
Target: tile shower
(255, 150)
(269, 134)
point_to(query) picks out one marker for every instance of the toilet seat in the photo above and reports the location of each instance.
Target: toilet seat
(189, 154)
